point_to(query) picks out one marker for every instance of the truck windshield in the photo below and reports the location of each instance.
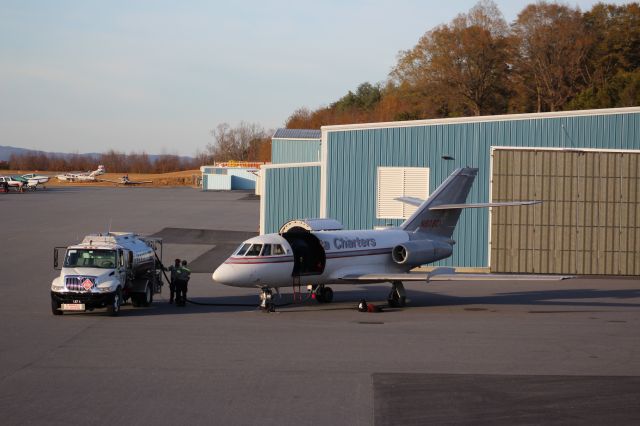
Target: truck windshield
(84, 258)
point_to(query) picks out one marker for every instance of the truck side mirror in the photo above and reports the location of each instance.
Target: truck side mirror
(56, 263)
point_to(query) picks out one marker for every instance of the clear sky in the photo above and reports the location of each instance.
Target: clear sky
(87, 76)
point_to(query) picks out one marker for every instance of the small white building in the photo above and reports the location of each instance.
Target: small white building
(230, 176)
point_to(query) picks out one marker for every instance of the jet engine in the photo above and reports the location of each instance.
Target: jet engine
(420, 252)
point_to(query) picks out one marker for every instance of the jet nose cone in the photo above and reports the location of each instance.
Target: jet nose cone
(222, 274)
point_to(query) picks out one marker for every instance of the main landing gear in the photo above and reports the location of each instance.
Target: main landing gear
(323, 294)
(398, 297)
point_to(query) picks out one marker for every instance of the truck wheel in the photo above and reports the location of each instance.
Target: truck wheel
(55, 307)
(135, 300)
(114, 308)
(147, 297)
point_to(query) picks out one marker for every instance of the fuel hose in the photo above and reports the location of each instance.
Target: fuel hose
(193, 302)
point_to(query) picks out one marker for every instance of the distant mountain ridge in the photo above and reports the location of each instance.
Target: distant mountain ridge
(7, 151)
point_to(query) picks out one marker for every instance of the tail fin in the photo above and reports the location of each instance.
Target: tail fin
(99, 171)
(454, 190)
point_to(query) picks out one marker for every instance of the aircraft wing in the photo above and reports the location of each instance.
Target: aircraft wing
(108, 180)
(426, 277)
(136, 182)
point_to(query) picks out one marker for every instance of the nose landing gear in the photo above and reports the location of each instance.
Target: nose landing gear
(266, 300)
(397, 297)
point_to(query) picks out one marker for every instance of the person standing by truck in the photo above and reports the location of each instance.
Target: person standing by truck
(173, 270)
(183, 274)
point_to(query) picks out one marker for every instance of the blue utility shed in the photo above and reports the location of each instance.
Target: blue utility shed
(295, 146)
(364, 167)
(228, 178)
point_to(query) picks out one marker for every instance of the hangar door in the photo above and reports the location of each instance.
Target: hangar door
(588, 223)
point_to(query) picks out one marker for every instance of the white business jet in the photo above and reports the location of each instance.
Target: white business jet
(329, 255)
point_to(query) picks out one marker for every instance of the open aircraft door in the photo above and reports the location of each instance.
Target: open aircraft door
(308, 254)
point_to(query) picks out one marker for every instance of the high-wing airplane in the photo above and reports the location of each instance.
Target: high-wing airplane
(82, 176)
(366, 256)
(40, 179)
(124, 180)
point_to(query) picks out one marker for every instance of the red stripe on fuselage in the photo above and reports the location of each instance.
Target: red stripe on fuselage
(241, 260)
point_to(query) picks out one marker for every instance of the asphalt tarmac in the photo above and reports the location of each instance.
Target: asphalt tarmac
(563, 352)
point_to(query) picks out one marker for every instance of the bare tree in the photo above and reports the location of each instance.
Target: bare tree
(235, 143)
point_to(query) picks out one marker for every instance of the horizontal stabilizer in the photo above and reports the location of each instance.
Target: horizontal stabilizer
(412, 201)
(418, 276)
(482, 205)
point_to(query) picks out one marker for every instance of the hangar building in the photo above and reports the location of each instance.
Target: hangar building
(583, 165)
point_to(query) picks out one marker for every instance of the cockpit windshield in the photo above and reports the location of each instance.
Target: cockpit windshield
(261, 250)
(254, 250)
(242, 249)
(85, 258)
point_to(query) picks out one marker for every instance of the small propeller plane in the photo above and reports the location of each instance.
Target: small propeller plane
(40, 179)
(330, 255)
(124, 180)
(82, 176)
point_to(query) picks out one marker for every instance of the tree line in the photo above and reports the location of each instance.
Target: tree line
(552, 57)
(114, 161)
(244, 142)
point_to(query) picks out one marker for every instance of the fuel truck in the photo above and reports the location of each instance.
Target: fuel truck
(105, 271)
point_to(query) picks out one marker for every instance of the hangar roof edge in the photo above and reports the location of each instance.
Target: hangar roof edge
(297, 134)
(481, 119)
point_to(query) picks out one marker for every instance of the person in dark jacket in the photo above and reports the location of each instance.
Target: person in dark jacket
(173, 269)
(183, 274)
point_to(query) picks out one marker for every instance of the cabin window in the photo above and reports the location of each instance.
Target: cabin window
(266, 250)
(277, 250)
(254, 250)
(243, 249)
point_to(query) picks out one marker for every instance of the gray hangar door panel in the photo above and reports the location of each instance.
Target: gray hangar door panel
(588, 222)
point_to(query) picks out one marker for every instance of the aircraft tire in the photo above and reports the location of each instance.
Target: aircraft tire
(395, 301)
(327, 295)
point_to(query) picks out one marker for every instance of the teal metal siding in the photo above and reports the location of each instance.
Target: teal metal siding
(354, 156)
(295, 151)
(242, 179)
(291, 193)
